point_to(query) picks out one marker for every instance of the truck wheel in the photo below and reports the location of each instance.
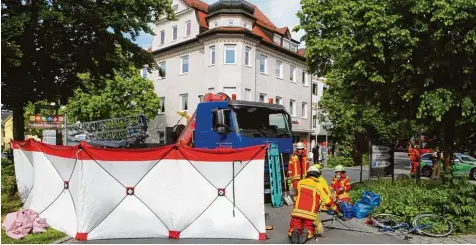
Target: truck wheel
(426, 172)
(472, 174)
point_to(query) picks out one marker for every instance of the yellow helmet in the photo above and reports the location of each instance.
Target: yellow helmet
(317, 165)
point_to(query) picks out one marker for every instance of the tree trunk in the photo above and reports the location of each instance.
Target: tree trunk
(356, 152)
(18, 123)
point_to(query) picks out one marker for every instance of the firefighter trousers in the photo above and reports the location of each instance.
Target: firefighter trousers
(301, 224)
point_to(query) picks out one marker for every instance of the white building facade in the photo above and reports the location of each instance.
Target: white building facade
(229, 47)
(319, 86)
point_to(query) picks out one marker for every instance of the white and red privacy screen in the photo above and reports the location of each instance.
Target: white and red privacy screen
(174, 191)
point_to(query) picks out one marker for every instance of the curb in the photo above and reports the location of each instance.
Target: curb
(62, 240)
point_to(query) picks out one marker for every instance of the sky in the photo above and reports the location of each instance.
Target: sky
(281, 12)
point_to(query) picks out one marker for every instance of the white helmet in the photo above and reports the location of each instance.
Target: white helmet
(299, 146)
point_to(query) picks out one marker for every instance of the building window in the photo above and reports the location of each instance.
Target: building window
(262, 98)
(292, 108)
(211, 90)
(229, 91)
(286, 43)
(294, 47)
(215, 24)
(304, 78)
(246, 25)
(314, 88)
(292, 73)
(162, 105)
(162, 37)
(304, 110)
(262, 64)
(248, 94)
(161, 137)
(279, 100)
(277, 39)
(184, 102)
(162, 69)
(188, 28)
(279, 70)
(184, 61)
(174, 33)
(175, 7)
(248, 56)
(231, 22)
(230, 54)
(145, 72)
(314, 121)
(212, 55)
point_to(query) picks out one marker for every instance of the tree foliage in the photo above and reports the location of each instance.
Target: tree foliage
(45, 44)
(124, 94)
(414, 59)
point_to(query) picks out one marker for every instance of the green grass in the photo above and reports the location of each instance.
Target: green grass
(13, 204)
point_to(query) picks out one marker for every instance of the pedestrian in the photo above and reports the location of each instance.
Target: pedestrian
(341, 184)
(436, 160)
(306, 206)
(415, 159)
(315, 153)
(297, 167)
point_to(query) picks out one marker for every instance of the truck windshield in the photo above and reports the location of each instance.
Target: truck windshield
(262, 122)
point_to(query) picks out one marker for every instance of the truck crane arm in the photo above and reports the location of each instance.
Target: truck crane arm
(185, 137)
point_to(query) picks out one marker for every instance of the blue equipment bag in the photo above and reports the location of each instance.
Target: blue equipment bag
(362, 210)
(347, 210)
(370, 198)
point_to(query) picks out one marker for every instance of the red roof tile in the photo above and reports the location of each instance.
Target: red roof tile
(282, 30)
(262, 19)
(258, 31)
(197, 4)
(202, 21)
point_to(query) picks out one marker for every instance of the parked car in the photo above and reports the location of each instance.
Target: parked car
(462, 164)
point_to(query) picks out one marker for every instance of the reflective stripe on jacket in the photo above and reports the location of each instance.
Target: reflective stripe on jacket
(343, 182)
(310, 195)
(297, 169)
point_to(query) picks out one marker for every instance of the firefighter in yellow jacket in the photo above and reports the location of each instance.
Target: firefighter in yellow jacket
(306, 206)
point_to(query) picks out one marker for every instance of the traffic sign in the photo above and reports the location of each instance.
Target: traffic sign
(380, 149)
(381, 159)
(379, 156)
(381, 163)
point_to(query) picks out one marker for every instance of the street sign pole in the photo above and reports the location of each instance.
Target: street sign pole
(65, 142)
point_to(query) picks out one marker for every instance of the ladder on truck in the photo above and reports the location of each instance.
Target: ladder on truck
(114, 132)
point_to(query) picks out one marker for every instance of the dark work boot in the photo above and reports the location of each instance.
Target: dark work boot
(295, 236)
(303, 236)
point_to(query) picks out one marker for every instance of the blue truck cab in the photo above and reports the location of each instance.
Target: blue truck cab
(238, 124)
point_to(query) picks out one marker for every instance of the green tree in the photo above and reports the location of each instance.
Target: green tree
(355, 123)
(45, 44)
(413, 59)
(124, 94)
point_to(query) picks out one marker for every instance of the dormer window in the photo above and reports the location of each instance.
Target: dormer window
(294, 47)
(277, 39)
(246, 25)
(286, 43)
(215, 24)
(231, 22)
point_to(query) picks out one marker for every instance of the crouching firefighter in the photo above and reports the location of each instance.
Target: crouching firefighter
(297, 167)
(306, 206)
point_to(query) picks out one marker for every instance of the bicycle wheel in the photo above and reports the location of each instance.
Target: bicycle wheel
(432, 225)
(387, 220)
